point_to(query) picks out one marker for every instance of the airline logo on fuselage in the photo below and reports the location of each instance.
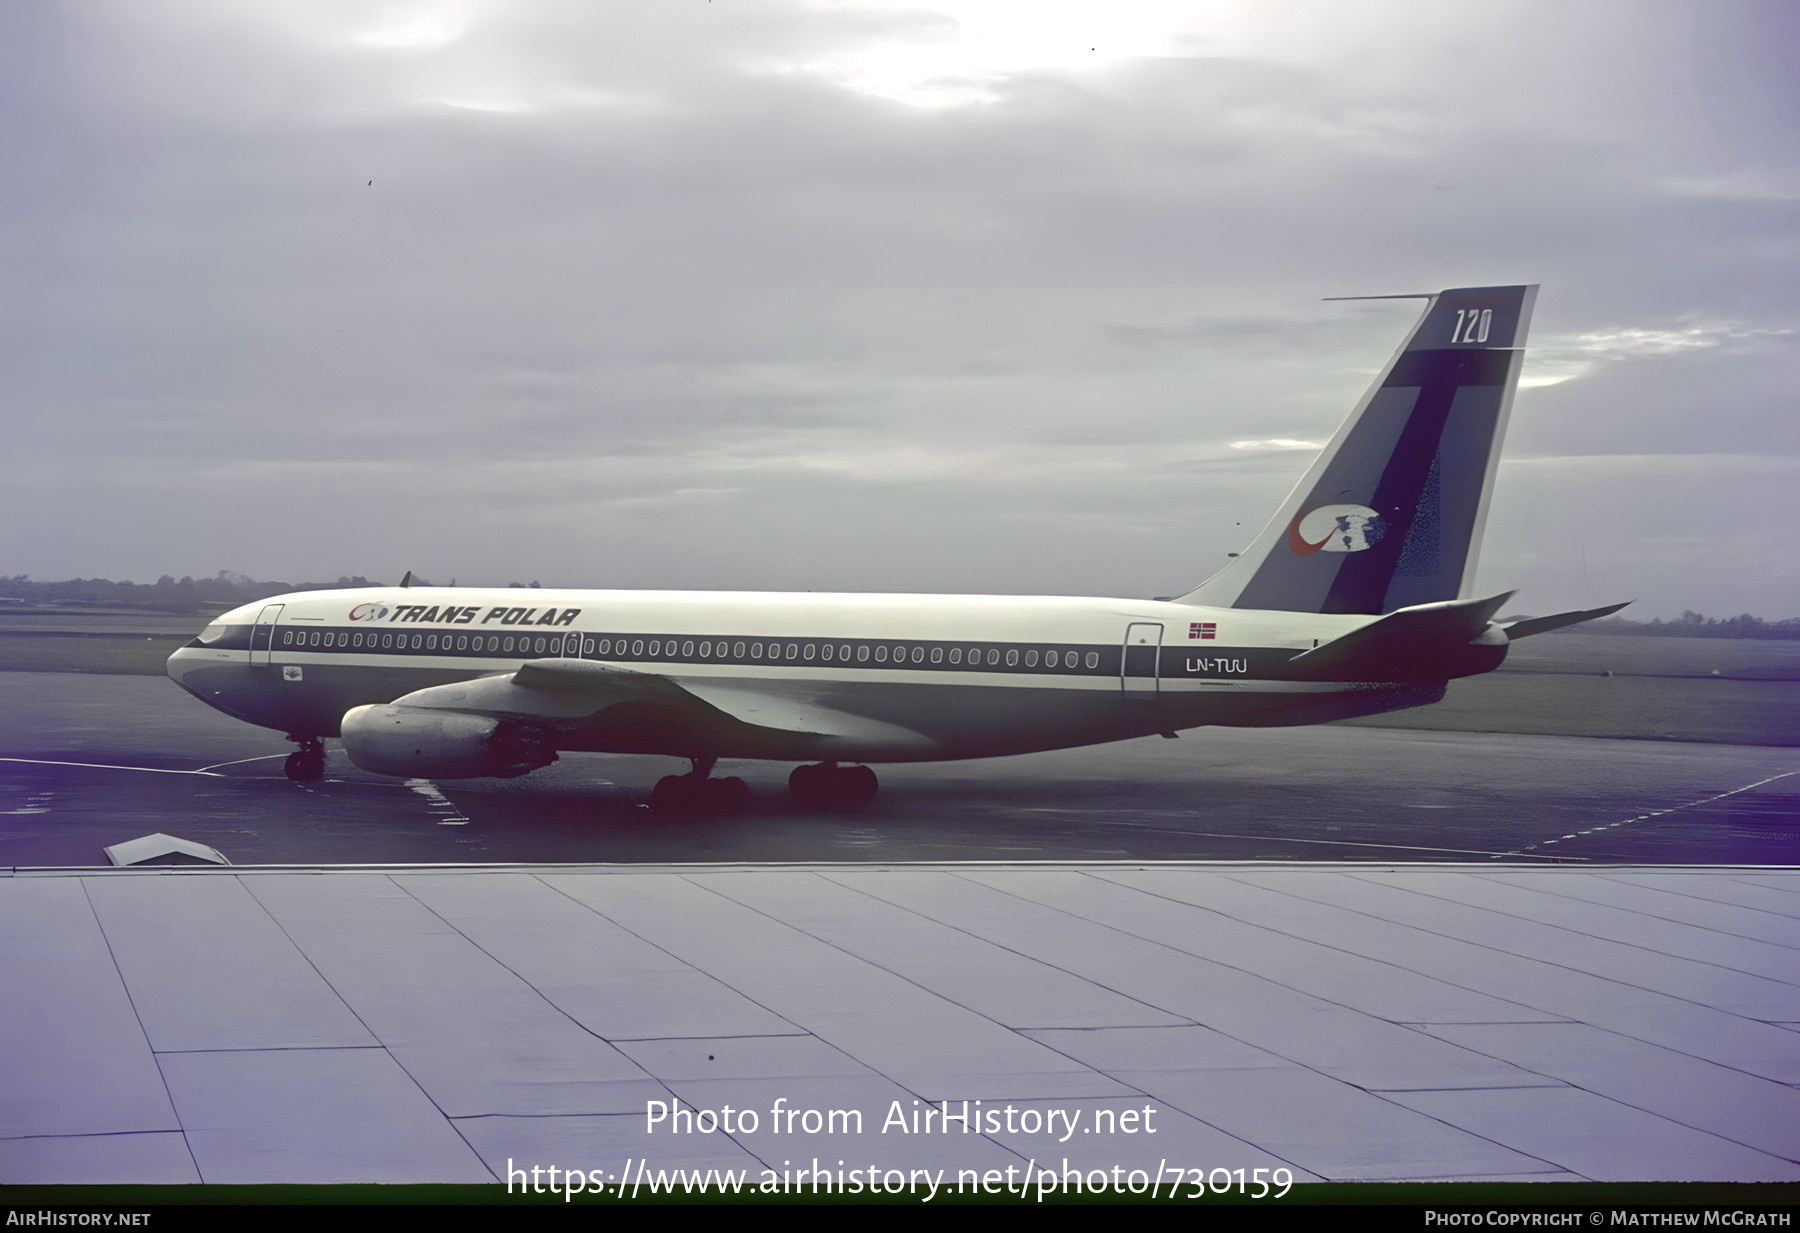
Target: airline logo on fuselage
(463, 614)
(1336, 528)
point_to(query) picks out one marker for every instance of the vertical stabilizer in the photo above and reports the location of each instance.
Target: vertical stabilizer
(1390, 515)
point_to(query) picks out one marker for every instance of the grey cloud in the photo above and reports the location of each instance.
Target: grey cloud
(672, 316)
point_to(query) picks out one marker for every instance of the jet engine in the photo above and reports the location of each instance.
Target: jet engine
(418, 743)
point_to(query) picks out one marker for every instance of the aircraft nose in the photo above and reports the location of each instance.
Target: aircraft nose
(178, 665)
(213, 678)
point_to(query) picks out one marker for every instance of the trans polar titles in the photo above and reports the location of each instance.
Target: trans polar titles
(1353, 600)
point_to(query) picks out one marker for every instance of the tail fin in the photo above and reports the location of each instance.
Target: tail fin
(1390, 515)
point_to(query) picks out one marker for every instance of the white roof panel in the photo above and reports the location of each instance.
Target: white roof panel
(75, 1058)
(1322, 1017)
(208, 968)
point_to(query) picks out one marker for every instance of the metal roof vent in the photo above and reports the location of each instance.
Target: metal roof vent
(161, 849)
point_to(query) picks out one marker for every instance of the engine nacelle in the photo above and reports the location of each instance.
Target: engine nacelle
(415, 743)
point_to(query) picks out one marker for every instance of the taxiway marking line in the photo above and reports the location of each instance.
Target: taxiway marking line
(1643, 817)
(259, 758)
(102, 766)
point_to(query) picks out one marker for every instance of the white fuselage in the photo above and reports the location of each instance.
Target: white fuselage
(976, 675)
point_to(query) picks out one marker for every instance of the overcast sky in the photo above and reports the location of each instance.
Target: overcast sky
(962, 296)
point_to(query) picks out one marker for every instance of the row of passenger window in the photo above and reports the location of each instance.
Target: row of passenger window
(691, 650)
(476, 644)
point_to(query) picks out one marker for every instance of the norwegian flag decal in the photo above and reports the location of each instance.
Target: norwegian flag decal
(1203, 629)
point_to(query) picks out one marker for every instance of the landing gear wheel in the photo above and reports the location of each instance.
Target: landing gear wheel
(729, 796)
(807, 783)
(859, 786)
(671, 797)
(829, 786)
(686, 796)
(307, 763)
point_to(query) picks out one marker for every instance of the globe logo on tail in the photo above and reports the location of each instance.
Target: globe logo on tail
(1336, 528)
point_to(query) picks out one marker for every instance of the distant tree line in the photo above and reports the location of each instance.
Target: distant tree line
(166, 594)
(1693, 625)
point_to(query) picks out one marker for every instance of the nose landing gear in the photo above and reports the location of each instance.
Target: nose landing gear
(307, 763)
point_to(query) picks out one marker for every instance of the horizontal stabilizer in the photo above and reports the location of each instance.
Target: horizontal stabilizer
(1423, 643)
(1544, 624)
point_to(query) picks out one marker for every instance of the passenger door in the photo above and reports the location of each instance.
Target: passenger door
(1138, 665)
(262, 634)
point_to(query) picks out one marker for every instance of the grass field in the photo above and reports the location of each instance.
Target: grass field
(1736, 692)
(1647, 707)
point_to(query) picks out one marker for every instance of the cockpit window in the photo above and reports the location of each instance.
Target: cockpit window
(212, 633)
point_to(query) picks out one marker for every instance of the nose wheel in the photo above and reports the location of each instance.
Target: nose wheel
(307, 763)
(827, 785)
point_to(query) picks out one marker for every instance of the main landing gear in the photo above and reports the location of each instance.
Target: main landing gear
(695, 794)
(822, 786)
(307, 763)
(827, 785)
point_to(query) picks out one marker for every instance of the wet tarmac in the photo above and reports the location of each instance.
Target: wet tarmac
(93, 760)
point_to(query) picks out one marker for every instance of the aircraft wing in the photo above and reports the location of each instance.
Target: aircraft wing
(573, 696)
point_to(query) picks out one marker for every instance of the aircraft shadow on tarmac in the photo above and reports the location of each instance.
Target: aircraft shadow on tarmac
(1356, 794)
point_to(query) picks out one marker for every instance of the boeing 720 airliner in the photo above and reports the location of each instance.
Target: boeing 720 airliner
(1352, 601)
